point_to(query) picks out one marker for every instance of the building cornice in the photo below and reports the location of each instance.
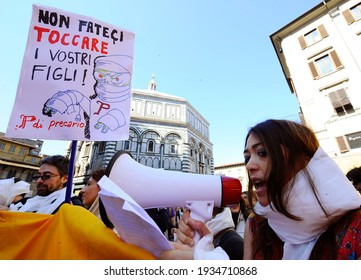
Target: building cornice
(17, 164)
(18, 142)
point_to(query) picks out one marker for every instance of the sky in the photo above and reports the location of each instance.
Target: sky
(216, 54)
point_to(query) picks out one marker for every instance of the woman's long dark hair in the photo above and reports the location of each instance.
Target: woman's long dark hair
(289, 146)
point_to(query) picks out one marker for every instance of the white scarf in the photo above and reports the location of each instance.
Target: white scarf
(221, 221)
(336, 194)
(41, 204)
(204, 249)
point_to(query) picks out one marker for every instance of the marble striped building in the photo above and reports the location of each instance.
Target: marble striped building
(166, 132)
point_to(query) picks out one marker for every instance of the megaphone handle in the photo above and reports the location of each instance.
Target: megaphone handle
(201, 211)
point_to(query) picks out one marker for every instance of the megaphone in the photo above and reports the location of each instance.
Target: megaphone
(154, 188)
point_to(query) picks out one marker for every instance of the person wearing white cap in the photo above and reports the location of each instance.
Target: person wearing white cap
(12, 190)
(51, 181)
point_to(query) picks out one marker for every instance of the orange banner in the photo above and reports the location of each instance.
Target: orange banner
(73, 233)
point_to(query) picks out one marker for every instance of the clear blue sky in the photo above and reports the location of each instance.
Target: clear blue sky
(216, 54)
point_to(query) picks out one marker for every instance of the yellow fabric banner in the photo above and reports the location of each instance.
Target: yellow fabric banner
(73, 233)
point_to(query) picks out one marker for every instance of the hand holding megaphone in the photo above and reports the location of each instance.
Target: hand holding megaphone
(158, 188)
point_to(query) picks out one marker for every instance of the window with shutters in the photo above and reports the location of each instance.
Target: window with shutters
(353, 14)
(325, 65)
(341, 102)
(312, 37)
(342, 144)
(349, 141)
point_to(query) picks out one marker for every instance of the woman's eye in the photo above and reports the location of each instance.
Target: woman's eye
(262, 153)
(246, 159)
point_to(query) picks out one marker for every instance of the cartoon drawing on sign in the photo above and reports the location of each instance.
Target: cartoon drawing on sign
(112, 86)
(112, 120)
(70, 102)
(112, 78)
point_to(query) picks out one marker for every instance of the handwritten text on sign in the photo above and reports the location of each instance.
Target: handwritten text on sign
(75, 82)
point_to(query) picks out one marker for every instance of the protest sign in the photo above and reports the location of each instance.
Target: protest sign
(75, 81)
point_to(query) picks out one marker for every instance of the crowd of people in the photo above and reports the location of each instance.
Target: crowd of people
(51, 182)
(299, 204)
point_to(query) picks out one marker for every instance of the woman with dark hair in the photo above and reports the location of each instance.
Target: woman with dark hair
(306, 209)
(89, 193)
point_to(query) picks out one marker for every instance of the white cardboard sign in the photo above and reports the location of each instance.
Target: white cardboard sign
(75, 82)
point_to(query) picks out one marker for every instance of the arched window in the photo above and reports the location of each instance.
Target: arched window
(173, 148)
(151, 142)
(173, 142)
(150, 145)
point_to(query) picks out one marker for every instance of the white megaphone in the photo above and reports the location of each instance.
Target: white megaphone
(153, 188)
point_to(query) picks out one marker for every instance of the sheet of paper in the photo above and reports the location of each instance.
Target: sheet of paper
(131, 221)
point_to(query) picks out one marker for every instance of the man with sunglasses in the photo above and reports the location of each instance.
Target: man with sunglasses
(51, 182)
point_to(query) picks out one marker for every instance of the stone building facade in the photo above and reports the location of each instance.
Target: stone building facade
(20, 158)
(166, 132)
